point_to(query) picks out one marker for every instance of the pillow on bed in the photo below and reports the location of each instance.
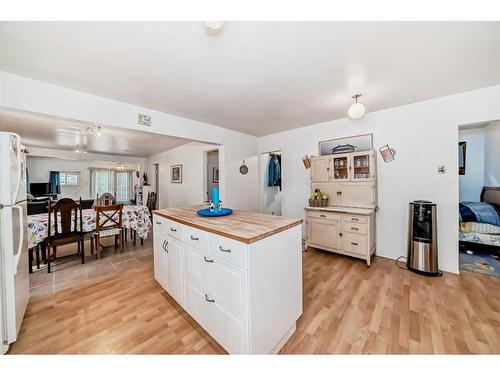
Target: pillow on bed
(479, 228)
(479, 212)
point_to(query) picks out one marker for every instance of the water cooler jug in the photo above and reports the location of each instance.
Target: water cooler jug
(422, 238)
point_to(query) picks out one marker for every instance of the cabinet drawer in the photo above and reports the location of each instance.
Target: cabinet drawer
(231, 251)
(356, 219)
(355, 243)
(324, 215)
(173, 229)
(354, 227)
(159, 224)
(195, 238)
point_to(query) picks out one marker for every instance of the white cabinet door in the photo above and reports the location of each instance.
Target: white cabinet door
(159, 257)
(198, 307)
(320, 168)
(175, 271)
(358, 194)
(324, 232)
(362, 166)
(228, 290)
(196, 281)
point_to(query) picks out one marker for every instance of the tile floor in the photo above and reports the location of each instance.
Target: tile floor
(69, 271)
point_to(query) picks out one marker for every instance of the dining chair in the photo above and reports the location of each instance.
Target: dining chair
(151, 202)
(65, 226)
(108, 223)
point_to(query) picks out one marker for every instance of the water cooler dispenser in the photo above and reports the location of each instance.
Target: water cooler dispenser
(422, 238)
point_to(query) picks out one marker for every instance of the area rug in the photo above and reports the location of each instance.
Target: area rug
(486, 262)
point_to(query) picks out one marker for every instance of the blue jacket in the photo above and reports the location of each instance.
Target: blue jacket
(274, 172)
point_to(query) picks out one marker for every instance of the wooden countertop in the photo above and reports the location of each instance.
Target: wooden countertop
(241, 226)
(347, 210)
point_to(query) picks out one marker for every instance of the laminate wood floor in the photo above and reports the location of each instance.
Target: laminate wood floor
(348, 308)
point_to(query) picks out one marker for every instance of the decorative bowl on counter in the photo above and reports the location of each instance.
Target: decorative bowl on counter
(215, 212)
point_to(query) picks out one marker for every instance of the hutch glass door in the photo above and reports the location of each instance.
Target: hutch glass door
(340, 168)
(361, 167)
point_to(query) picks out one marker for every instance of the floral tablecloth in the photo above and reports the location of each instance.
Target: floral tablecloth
(134, 217)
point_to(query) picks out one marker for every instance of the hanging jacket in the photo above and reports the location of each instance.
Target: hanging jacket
(274, 172)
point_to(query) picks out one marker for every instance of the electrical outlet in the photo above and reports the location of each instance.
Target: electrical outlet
(144, 120)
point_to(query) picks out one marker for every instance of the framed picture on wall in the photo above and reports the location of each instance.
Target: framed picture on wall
(176, 174)
(215, 175)
(362, 142)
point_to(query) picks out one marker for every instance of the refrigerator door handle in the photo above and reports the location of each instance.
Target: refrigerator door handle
(17, 255)
(19, 167)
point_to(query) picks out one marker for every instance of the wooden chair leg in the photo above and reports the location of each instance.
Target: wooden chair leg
(37, 253)
(97, 247)
(135, 237)
(124, 235)
(121, 244)
(43, 246)
(30, 260)
(142, 241)
(131, 233)
(92, 245)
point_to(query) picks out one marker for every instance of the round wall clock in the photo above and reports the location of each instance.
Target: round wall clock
(243, 168)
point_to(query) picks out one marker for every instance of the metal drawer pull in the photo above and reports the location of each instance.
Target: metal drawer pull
(158, 222)
(194, 238)
(208, 299)
(165, 243)
(224, 250)
(354, 228)
(208, 260)
(173, 230)
(354, 219)
(354, 243)
(322, 215)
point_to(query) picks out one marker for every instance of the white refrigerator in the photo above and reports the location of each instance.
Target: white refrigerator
(14, 274)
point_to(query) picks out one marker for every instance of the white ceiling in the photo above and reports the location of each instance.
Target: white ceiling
(258, 77)
(50, 132)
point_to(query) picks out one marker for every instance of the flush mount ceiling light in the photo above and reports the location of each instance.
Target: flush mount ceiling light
(120, 166)
(81, 149)
(214, 27)
(95, 130)
(356, 110)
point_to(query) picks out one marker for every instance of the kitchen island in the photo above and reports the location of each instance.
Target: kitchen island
(238, 276)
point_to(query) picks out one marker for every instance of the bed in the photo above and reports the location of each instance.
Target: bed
(480, 221)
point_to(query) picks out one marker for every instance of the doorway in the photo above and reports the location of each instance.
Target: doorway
(211, 172)
(270, 177)
(479, 198)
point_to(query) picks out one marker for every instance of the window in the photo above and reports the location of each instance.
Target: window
(123, 186)
(118, 183)
(100, 182)
(69, 178)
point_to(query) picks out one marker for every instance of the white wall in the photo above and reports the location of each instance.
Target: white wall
(238, 191)
(492, 155)
(191, 191)
(41, 161)
(472, 182)
(425, 136)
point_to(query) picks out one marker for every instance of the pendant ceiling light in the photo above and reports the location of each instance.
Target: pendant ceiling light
(356, 110)
(95, 130)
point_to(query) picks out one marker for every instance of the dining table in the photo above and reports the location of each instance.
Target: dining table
(133, 217)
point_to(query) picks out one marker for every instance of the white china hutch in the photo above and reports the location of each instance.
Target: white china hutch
(347, 225)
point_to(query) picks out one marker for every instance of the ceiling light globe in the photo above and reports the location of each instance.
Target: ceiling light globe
(356, 111)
